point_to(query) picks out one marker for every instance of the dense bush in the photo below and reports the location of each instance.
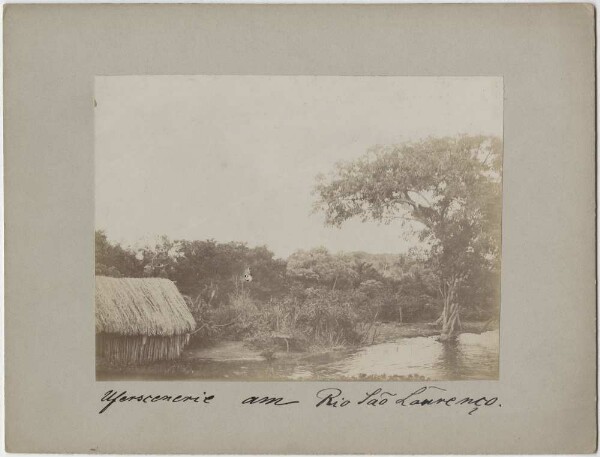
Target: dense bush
(114, 260)
(296, 321)
(312, 298)
(329, 318)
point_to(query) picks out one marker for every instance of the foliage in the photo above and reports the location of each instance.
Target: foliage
(113, 260)
(204, 269)
(209, 275)
(318, 266)
(314, 317)
(448, 190)
(301, 319)
(211, 269)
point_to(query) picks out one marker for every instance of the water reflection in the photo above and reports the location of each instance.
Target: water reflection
(470, 356)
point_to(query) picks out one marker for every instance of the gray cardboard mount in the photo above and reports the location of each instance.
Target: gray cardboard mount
(547, 386)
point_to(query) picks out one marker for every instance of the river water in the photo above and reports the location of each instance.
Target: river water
(471, 356)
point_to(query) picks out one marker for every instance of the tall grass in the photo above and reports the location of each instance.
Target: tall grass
(311, 319)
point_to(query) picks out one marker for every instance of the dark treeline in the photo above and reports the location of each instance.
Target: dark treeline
(204, 270)
(314, 297)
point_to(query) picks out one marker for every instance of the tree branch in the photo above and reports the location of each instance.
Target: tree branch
(420, 195)
(408, 202)
(406, 218)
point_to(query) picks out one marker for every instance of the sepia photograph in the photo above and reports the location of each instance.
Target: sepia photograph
(337, 229)
(298, 228)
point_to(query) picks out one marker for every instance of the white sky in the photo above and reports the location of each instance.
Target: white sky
(235, 158)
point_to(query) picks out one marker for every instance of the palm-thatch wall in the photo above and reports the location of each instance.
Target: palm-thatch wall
(140, 319)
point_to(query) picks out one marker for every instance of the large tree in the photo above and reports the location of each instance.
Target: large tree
(447, 189)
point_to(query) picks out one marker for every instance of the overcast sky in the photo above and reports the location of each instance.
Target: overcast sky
(235, 158)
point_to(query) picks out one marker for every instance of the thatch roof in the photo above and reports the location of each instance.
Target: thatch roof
(141, 306)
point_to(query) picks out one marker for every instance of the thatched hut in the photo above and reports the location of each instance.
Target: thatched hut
(140, 319)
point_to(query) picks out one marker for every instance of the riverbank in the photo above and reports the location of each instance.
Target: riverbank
(391, 331)
(223, 355)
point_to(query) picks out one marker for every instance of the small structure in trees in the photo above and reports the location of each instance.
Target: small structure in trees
(140, 319)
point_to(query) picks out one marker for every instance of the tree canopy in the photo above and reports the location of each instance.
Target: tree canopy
(447, 189)
(319, 266)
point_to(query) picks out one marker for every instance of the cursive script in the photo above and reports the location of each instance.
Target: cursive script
(111, 397)
(275, 401)
(429, 396)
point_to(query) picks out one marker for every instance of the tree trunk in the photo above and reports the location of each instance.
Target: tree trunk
(450, 314)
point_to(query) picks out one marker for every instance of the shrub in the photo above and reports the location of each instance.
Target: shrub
(314, 317)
